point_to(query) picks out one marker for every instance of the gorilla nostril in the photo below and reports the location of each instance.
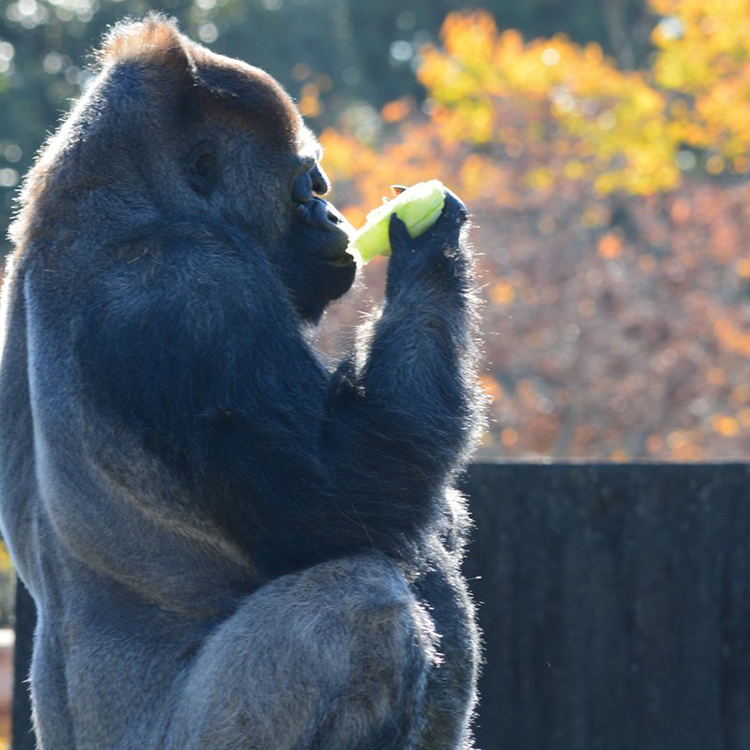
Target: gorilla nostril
(332, 217)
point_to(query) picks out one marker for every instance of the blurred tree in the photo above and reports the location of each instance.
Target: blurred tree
(335, 56)
(617, 317)
(703, 62)
(610, 190)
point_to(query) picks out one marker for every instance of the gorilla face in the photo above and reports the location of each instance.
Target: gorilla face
(234, 161)
(314, 265)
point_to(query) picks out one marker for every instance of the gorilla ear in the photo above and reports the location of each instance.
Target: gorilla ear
(202, 168)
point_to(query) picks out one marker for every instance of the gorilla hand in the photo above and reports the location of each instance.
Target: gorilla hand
(438, 248)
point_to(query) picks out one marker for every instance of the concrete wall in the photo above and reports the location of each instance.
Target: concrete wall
(616, 606)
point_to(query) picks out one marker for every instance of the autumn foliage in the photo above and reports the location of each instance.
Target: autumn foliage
(613, 221)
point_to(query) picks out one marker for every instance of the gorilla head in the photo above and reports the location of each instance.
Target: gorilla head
(208, 138)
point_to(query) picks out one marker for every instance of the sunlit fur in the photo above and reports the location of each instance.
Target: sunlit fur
(229, 545)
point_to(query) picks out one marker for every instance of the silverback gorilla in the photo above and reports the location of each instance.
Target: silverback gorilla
(231, 546)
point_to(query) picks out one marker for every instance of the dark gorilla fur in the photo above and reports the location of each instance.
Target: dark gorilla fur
(230, 546)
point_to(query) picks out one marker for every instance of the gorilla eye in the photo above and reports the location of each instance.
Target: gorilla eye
(202, 168)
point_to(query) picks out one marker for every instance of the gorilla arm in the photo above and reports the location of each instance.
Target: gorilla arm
(419, 353)
(195, 347)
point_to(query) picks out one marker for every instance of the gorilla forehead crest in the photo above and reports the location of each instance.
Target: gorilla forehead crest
(230, 85)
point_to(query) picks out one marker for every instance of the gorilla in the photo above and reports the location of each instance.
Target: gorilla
(230, 543)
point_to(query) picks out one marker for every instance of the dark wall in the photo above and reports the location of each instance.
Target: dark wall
(23, 737)
(615, 607)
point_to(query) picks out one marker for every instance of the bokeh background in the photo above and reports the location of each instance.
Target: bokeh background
(602, 146)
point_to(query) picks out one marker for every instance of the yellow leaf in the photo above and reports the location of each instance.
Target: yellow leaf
(502, 293)
(726, 425)
(610, 246)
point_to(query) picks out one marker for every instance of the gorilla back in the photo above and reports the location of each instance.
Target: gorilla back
(230, 545)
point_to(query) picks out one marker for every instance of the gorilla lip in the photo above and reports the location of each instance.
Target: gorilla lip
(340, 256)
(343, 261)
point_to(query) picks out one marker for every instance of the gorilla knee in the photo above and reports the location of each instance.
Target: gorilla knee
(371, 604)
(345, 643)
(378, 644)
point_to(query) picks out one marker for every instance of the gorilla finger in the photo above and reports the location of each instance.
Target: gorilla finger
(397, 232)
(454, 208)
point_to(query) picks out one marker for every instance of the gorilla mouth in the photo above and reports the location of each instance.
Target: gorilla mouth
(332, 230)
(342, 261)
(336, 246)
